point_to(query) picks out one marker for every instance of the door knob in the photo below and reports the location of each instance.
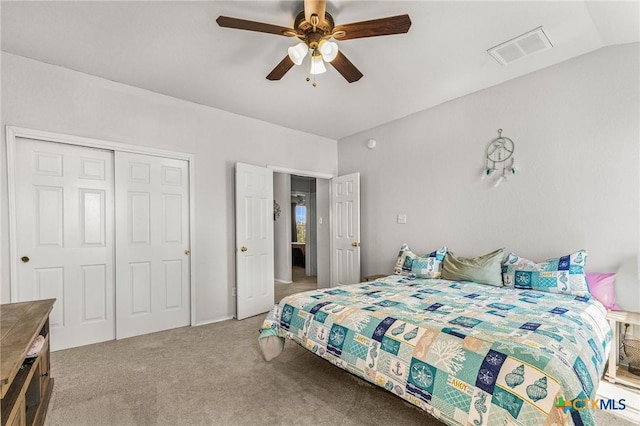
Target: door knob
(187, 252)
(25, 259)
(243, 249)
(354, 244)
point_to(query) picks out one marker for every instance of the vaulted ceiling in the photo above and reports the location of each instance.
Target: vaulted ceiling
(177, 49)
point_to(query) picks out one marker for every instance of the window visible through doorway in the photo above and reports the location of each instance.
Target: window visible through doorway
(301, 224)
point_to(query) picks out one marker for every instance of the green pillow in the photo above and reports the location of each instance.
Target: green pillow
(486, 269)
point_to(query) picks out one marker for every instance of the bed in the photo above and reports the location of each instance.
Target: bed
(467, 353)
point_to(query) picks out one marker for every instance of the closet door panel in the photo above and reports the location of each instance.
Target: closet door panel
(64, 202)
(152, 249)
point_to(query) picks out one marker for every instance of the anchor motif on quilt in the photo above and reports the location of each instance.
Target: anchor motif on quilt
(321, 334)
(398, 369)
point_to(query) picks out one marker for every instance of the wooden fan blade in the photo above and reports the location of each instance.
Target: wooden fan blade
(346, 68)
(261, 27)
(314, 7)
(281, 69)
(376, 27)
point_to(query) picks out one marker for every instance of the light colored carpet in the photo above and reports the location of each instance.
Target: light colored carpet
(301, 282)
(283, 290)
(215, 375)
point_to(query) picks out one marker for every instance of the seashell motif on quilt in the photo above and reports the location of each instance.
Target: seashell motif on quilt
(411, 335)
(516, 377)
(538, 390)
(398, 330)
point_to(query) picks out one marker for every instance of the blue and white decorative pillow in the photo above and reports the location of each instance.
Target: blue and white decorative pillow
(429, 265)
(404, 262)
(556, 275)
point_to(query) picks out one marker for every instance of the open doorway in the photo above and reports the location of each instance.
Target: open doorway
(301, 233)
(300, 237)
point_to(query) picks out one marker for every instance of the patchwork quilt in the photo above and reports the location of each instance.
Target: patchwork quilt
(465, 352)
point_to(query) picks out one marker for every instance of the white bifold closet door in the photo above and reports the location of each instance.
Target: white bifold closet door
(104, 233)
(152, 244)
(64, 238)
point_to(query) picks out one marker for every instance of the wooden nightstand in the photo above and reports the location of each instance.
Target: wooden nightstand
(616, 373)
(374, 277)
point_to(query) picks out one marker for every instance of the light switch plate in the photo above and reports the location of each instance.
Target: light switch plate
(402, 218)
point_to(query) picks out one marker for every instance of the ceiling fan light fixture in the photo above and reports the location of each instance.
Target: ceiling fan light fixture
(317, 64)
(312, 26)
(298, 52)
(328, 50)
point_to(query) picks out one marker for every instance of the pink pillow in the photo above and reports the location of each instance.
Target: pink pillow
(601, 288)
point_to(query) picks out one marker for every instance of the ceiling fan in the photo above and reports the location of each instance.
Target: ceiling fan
(314, 27)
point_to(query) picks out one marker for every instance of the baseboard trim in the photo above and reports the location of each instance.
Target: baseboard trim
(212, 321)
(283, 281)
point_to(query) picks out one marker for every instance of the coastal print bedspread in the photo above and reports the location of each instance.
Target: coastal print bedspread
(467, 353)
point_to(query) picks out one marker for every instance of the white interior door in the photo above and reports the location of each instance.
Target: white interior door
(254, 240)
(64, 238)
(152, 244)
(345, 229)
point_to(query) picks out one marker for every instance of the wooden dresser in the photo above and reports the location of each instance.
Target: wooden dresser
(25, 387)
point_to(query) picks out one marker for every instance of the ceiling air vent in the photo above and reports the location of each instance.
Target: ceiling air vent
(520, 47)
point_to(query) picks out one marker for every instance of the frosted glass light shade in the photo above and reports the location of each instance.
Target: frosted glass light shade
(298, 52)
(317, 65)
(328, 50)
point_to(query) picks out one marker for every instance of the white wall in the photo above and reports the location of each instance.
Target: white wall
(311, 258)
(576, 132)
(50, 98)
(282, 228)
(323, 234)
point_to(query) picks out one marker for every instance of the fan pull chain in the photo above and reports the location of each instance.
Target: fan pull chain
(314, 81)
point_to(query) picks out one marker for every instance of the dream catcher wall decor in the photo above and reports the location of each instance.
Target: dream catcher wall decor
(499, 162)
